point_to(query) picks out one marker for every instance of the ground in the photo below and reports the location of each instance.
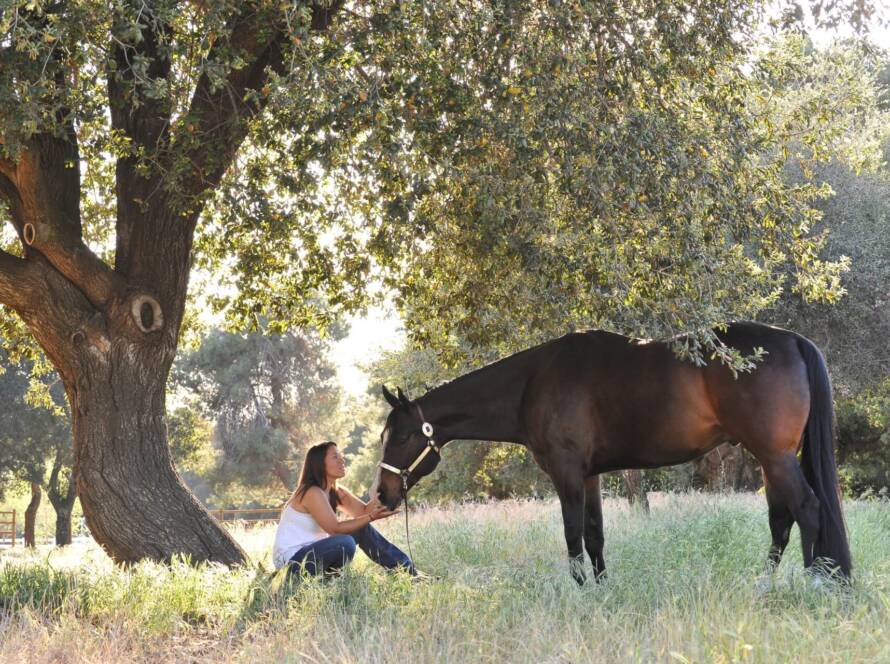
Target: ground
(686, 584)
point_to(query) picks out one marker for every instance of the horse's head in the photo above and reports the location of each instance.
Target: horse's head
(410, 450)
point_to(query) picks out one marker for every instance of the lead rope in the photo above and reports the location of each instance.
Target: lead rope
(407, 532)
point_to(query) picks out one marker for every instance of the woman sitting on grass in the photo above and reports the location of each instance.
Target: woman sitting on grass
(310, 535)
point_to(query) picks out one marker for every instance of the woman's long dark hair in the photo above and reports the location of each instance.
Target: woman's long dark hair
(313, 474)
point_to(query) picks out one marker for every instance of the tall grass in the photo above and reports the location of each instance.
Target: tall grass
(686, 584)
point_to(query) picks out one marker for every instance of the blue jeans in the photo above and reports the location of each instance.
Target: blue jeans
(330, 554)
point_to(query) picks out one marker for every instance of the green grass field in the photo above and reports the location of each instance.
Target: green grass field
(686, 584)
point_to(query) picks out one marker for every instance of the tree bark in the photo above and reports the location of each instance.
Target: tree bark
(636, 491)
(726, 467)
(63, 527)
(31, 515)
(135, 504)
(62, 502)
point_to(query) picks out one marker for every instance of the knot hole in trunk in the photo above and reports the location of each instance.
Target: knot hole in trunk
(29, 234)
(147, 313)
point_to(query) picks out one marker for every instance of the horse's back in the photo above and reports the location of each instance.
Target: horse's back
(622, 402)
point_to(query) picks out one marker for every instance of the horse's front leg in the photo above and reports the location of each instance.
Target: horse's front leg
(571, 497)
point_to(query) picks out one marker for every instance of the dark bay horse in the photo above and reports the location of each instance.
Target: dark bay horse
(592, 402)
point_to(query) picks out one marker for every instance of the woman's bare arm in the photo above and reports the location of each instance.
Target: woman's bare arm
(353, 505)
(316, 502)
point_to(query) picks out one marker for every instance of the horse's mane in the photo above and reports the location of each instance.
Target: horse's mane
(492, 366)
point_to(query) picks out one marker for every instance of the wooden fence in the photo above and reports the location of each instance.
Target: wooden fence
(7, 528)
(247, 516)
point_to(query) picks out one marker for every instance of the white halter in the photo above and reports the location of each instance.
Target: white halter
(427, 430)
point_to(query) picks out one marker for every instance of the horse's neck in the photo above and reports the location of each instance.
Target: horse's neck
(481, 405)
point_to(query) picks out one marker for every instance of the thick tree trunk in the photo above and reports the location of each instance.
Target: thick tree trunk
(135, 504)
(31, 515)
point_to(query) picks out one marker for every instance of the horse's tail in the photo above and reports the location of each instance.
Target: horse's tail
(818, 464)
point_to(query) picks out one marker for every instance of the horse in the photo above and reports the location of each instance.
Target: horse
(591, 402)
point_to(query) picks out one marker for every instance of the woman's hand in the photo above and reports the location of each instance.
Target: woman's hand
(380, 512)
(372, 505)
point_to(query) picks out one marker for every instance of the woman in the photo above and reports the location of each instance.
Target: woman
(310, 534)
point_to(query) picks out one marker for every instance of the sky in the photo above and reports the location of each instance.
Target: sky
(380, 330)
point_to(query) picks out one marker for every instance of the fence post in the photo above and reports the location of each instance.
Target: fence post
(7, 521)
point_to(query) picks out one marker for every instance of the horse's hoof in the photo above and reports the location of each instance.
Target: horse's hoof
(576, 567)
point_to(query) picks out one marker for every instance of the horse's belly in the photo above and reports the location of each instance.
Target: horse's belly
(681, 440)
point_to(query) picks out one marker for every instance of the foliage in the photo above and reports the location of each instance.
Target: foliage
(864, 440)
(190, 436)
(851, 332)
(523, 169)
(855, 217)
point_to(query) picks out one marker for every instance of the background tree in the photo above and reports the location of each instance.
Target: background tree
(268, 396)
(61, 489)
(482, 152)
(853, 333)
(32, 427)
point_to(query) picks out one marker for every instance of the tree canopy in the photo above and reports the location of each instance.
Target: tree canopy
(619, 158)
(521, 171)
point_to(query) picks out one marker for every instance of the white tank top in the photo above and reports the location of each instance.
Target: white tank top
(295, 530)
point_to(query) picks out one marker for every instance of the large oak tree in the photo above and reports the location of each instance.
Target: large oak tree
(482, 152)
(110, 327)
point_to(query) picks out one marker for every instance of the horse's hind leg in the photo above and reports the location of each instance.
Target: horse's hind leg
(593, 525)
(570, 490)
(787, 483)
(780, 522)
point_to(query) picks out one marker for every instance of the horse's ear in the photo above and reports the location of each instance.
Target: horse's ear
(390, 397)
(405, 400)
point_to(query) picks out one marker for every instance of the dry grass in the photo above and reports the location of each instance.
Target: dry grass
(685, 584)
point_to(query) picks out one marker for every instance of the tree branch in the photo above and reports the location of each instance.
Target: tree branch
(219, 116)
(42, 186)
(201, 147)
(44, 199)
(216, 122)
(18, 282)
(145, 124)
